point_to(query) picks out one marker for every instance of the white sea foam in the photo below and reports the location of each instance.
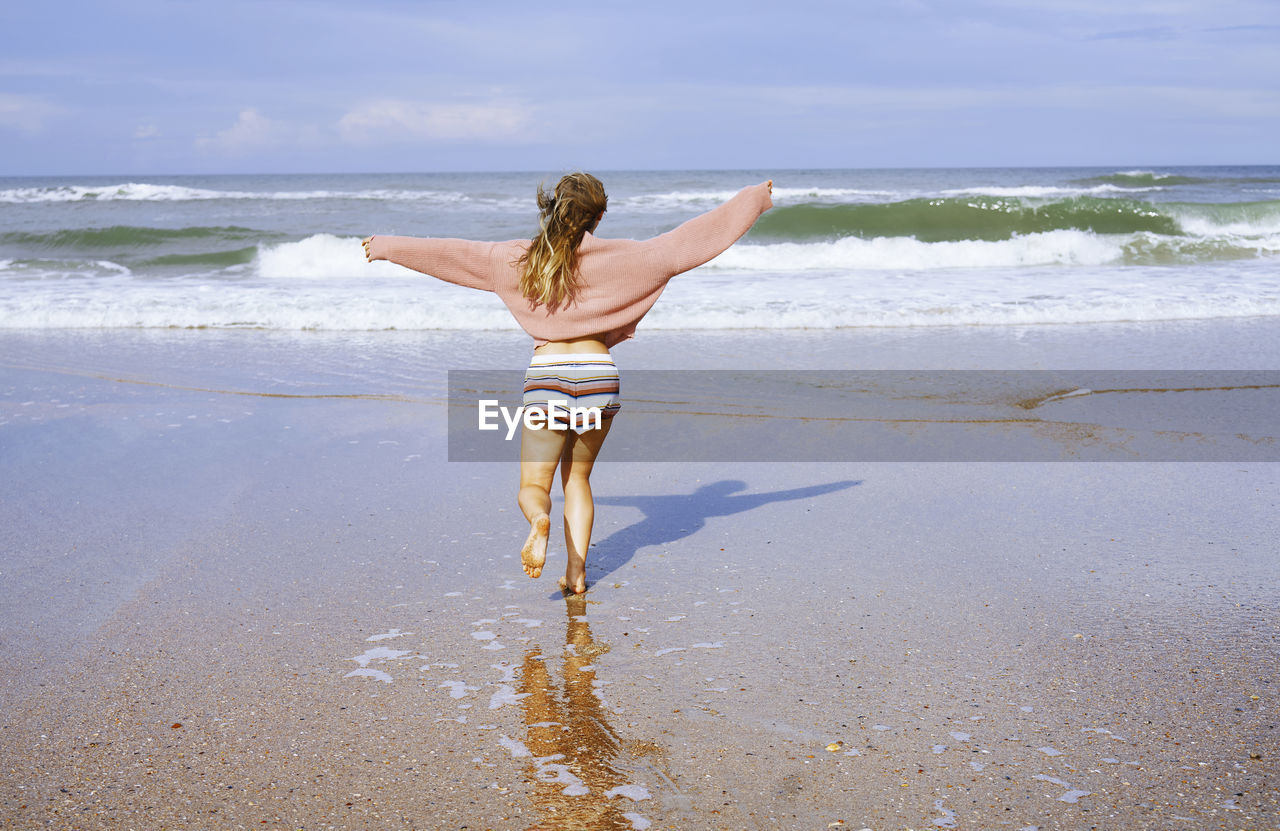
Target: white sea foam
(1072, 795)
(375, 674)
(1138, 174)
(321, 282)
(506, 694)
(704, 199)
(322, 256)
(379, 653)
(674, 200)
(144, 192)
(948, 818)
(458, 689)
(856, 195)
(113, 268)
(633, 792)
(515, 747)
(650, 202)
(344, 306)
(1045, 191)
(710, 301)
(551, 771)
(908, 254)
(394, 633)
(131, 191)
(1262, 228)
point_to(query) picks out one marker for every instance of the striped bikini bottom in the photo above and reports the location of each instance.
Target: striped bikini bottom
(576, 391)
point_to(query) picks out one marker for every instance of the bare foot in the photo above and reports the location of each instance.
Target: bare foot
(576, 585)
(534, 553)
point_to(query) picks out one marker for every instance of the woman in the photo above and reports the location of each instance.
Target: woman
(577, 295)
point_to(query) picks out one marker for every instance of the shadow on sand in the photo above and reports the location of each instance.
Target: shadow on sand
(671, 517)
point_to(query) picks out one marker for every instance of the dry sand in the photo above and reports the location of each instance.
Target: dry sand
(226, 610)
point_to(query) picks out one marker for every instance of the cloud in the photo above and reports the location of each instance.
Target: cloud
(390, 119)
(26, 113)
(252, 131)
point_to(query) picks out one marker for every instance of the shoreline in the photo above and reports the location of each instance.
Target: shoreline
(1196, 343)
(206, 595)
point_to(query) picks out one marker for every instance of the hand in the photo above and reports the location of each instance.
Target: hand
(368, 258)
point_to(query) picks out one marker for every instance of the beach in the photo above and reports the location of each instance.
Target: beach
(244, 586)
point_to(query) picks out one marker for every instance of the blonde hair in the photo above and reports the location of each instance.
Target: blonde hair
(549, 268)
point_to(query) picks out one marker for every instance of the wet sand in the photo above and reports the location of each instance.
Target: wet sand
(243, 587)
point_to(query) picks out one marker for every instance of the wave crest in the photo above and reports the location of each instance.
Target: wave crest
(1143, 179)
(126, 236)
(992, 218)
(145, 192)
(953, 219)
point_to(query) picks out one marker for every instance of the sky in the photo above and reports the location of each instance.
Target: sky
(292, 86)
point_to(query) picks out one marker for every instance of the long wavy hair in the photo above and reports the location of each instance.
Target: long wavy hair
(549, 268)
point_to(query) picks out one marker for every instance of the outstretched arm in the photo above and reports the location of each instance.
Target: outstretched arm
(459, 261)
(704, 237)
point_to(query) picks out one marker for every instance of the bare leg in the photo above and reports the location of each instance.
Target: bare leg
(576, 462)
(539, 454)
(533, 555)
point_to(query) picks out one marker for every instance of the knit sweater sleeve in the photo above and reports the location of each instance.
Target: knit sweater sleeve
(704, 237)
(459, 261)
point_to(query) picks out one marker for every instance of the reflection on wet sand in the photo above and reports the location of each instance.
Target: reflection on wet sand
(575, 767)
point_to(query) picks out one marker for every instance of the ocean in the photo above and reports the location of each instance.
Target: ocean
(840, 249)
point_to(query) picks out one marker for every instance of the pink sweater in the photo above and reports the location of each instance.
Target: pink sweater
(619, 279)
